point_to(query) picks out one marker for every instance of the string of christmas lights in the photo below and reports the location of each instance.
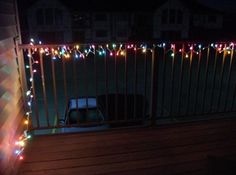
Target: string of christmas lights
(20, 143)
(82, 51)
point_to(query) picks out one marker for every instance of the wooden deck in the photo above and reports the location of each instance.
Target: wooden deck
(207, 147)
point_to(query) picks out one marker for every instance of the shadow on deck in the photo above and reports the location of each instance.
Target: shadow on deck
(205, 147)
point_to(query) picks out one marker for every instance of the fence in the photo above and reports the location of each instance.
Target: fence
(128, 82)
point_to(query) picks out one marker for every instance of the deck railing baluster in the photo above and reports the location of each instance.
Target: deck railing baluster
(206, 80)
(229, 78)
(54, 89)
(221, 80)
(197, 81)
(44, 88)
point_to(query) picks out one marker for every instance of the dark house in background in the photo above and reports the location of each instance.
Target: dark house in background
(101, 26)
(95, 21)
(182, 19)
(54, 21)
(50, 21)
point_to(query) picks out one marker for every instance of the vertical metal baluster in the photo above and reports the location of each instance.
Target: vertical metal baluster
(75, 82)
(117, 88)
(189, 80)
(229, 77)
(206, 79)
(135, 81)
(106, 82)
(233, 102)
(198, 79)
(153, 95)
(54, 89)
(126, 82)
(145, 84)
(86, 82)
(221, 79)
(180, 80)
(163, 82)
(172, 82)
(44, 88)
(213, 83)
(96, 80)
(33, 89)
(65, 84)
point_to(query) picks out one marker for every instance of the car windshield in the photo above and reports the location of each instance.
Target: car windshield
(83, 115)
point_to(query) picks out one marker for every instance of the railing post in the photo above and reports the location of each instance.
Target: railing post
(153, 99)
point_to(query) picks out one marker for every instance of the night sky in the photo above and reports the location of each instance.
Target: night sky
(224, 5)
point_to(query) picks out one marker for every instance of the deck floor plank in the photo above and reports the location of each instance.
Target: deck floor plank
(174, 149)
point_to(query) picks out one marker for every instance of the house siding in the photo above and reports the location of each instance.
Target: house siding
(11, 101)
